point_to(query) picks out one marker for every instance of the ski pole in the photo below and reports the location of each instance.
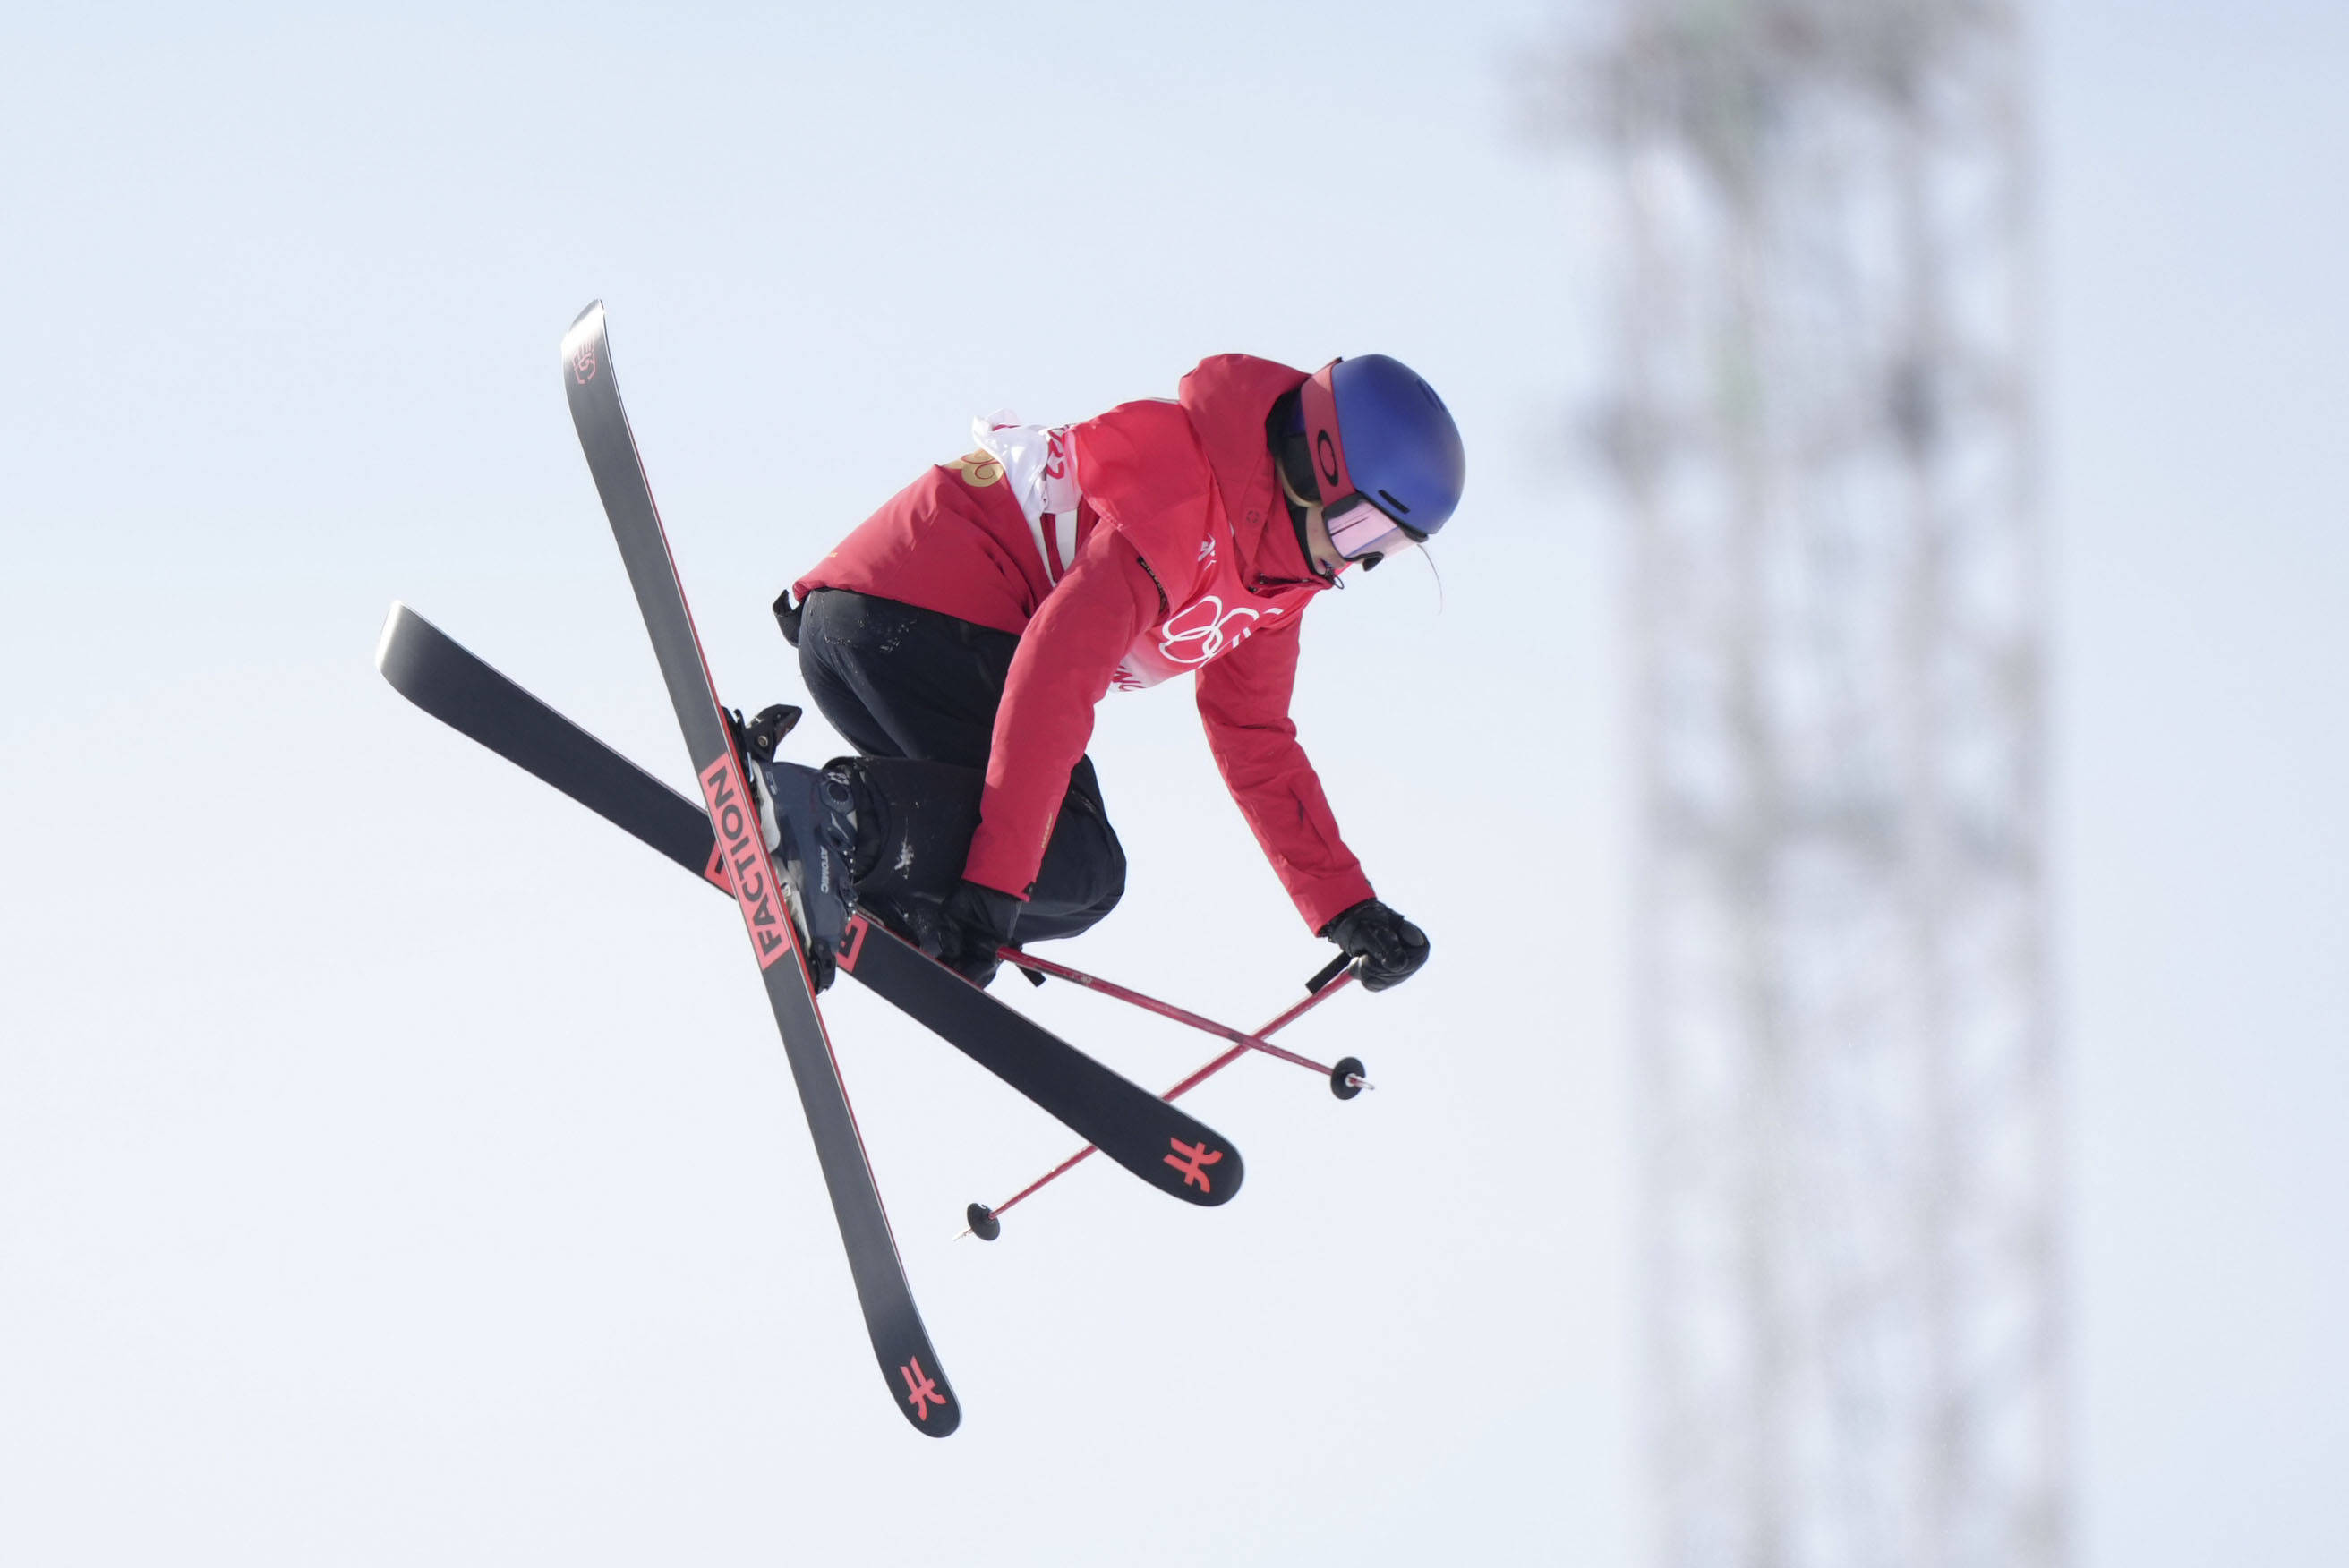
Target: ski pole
(1035, 966)
(1346, 1081)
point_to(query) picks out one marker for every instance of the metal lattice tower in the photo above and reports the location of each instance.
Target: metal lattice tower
(1823, 431)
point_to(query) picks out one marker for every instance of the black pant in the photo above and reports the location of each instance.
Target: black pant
(916, 693)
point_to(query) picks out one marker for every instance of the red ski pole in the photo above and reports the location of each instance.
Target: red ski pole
(1036, 966)
(1345, 1079)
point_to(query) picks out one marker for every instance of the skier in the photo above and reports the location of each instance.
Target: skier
(960, 637)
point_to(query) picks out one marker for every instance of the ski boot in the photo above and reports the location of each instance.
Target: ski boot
(809, 820)
(910, 915)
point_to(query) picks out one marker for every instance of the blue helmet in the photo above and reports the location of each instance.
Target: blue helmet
(1383, 455)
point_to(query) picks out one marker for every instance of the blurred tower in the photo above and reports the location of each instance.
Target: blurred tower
(1823, 430)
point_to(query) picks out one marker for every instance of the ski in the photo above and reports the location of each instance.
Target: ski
(455, 685)
(891, 1319)
(1165, 1147)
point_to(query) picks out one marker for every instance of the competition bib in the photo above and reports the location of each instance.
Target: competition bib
(1044, 477)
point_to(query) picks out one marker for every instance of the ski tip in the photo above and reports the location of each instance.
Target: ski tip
(384, 638)
(405, 649)
(1229, 1187)
(584, 349)
(1205, 1171)
(941, 1424)
(929, 1405)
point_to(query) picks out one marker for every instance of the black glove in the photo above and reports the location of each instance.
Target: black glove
(972, 923)
(1389, 947)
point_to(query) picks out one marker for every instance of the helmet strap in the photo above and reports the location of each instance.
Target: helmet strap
(1305, 542)
(1284, 434)
(1292, 461)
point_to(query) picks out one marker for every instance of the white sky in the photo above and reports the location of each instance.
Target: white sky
(395, 1164)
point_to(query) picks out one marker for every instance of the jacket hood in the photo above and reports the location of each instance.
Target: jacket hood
(1227, 398)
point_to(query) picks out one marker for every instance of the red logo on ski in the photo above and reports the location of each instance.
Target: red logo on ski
(582, 364)
(743, 850)
(1192, 1159)
(921, 1389)
(852, 942)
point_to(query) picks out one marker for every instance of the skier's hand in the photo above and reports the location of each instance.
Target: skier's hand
(1389, 948)
(972, 923)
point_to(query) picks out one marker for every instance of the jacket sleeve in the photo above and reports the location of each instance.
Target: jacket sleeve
(1063, 666)
(1244, 703)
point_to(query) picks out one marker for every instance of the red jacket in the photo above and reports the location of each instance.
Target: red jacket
(1180, 557)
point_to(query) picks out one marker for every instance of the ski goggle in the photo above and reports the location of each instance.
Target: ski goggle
(1359, 530)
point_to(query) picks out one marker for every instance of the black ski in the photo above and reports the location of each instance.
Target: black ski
(908, 1364)
(1141, 1133)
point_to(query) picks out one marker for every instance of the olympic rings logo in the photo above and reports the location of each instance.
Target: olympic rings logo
(1205, 637)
